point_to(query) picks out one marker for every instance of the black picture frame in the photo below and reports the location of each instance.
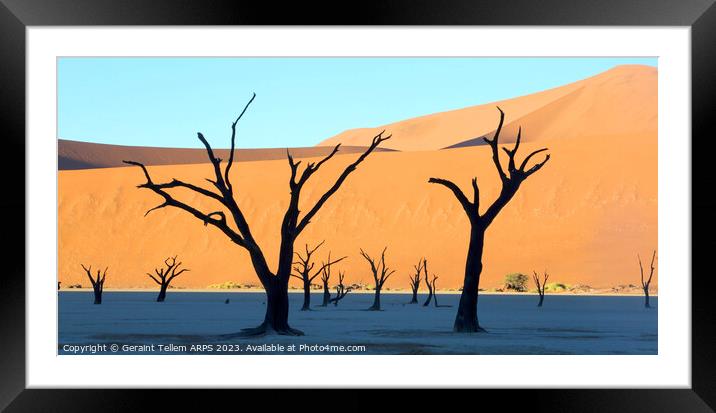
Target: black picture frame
(16, 15)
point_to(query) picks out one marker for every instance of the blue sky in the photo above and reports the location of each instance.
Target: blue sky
(299, 102)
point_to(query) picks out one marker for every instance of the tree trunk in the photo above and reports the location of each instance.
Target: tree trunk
(276, 318)
(414, 300)
(541, 299)
(646, 298)
(430, 297)
(376, 301)
(276, 286)
(326, 295)
(306, 296)
(162, 293)
(97, 296)
(466, 319)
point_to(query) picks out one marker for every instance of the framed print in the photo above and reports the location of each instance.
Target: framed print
(504, 202)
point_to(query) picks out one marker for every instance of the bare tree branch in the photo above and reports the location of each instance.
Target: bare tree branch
(170, 201)
(475, 196)
(312, 167)
(350, 168)
(175, 183)
(527, 159)
(174, 275)
(466, 205)
(154, 278)
(322, 161)
(89, 273)
(216, 162)
(341, 290)
(294, 170)
(233, 139)
(511, 153)
(651, 273)
(371, 261)
(328, 264)
(641, 270)
(493, 145)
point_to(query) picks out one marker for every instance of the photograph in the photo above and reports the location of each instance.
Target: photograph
(357, 205)
(501, 198)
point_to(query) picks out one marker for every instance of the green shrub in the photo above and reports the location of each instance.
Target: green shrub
(516, 282)
(555, 287)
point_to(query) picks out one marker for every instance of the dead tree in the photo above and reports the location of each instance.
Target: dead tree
(541, 284)
(415, 281)
(645, 284)
(466, 319)
(97, 283)
(341, 290)
(275, 283)
(435, 292)
(325, 277)
(164, 276)
(303, 269)
(428, 283)
(380, 275)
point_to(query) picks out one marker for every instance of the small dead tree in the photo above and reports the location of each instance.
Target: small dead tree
(435, 292)
(645, 284)
(380, 275)
(164, 276)
(415, 281)
(231, 220)
(466, 319)
(341, 290)
(97, 283)
(303, 268)
(541, 284)
(428, 283)
(325, 277)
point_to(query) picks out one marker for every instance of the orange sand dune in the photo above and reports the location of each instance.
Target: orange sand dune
(620, 101)
(86, 155)
(583, 217)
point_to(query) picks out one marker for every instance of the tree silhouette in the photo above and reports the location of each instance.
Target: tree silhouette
(164, 276)
(325, 277)
(275, 283)
(341, 290)
(415, 281)
(435, 292)
(380, 275)
(540, 283)
(303, 269)
(97, 283)
(466, 319)
(645, 284)
(428, 284)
